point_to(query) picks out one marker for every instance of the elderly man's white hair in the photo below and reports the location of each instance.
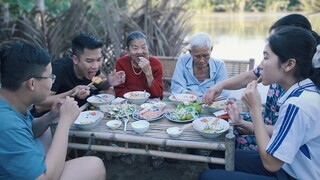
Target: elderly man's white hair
(200, 40)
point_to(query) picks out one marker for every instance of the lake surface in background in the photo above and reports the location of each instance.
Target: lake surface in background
(240, 36)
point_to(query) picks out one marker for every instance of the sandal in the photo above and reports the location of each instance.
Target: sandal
(157, 162)
(127, 158)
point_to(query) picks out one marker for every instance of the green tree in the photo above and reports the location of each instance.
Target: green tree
(52, 24)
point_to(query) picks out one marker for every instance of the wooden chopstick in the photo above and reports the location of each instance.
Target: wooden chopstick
(259, 78)
(90, 84)
(220, 98)
(236, 124)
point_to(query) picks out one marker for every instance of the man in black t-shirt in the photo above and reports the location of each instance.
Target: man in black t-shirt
(74, 73)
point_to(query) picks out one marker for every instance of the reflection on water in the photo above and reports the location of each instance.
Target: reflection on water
(240, 36)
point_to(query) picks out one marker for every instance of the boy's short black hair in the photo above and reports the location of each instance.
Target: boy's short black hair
(82, 41)
(21, 61)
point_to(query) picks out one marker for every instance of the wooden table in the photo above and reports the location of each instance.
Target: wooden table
(156, 135)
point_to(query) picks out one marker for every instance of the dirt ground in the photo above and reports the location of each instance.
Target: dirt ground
(141, 169)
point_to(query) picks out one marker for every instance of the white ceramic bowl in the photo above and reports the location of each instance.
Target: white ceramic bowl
(146, 105)
(174, 132)
(100, 99)
(210, 127)
(137, 97)
(88, 119)
(160, 105)
(140, 126)
(215, 106)
(114, 124)
(178, 98)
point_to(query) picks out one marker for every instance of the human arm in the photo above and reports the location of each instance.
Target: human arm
(244, 127)
(55, 158)
(80, 91)
(41, 124)
(145, 65)
(156, 88)
(252, 98)
(233, 83)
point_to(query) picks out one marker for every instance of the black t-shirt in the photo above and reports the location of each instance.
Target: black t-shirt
(67, 79)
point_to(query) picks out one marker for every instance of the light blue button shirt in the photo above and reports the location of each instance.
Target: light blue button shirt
(184, 81)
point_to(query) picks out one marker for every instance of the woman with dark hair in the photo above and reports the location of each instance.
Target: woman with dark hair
(144, 71)
(245, 137)
(294, 144)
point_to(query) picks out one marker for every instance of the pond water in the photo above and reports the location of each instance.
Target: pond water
(240, 36)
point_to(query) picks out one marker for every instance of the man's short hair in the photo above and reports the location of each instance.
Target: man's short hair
(200, 40)
(82, 41)
(20, 61)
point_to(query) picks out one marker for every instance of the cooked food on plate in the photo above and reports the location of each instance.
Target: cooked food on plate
(150, 113)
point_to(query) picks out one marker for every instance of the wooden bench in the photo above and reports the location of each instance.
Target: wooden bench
(234, 67)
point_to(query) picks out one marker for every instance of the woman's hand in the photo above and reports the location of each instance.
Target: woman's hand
(211, 94)
(144, 64)
(233, 111)
(251, 96)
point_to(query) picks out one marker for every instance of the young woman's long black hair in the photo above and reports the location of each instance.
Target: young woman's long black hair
(290, 42)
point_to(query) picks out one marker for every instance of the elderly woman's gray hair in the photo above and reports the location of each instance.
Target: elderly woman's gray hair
(200, 40)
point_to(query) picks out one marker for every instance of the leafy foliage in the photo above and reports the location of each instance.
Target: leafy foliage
(255, 5)
(52, 24)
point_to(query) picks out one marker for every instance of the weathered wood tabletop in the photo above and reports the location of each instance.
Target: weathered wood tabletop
(156, 135)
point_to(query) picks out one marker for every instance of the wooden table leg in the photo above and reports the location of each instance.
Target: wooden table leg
(230, 150)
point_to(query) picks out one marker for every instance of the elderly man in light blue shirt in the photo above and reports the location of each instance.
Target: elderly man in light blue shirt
(197, 71)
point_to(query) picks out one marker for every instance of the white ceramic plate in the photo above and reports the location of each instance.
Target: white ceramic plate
(146, 105)
(119, 110)
(182, 98)
(135, 117)
(107, 97)
(210, 127)
(100, 99)
(88, 119)
(168, 115)
(215, 106)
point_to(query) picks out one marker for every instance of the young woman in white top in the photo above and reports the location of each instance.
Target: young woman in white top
(292, 152)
